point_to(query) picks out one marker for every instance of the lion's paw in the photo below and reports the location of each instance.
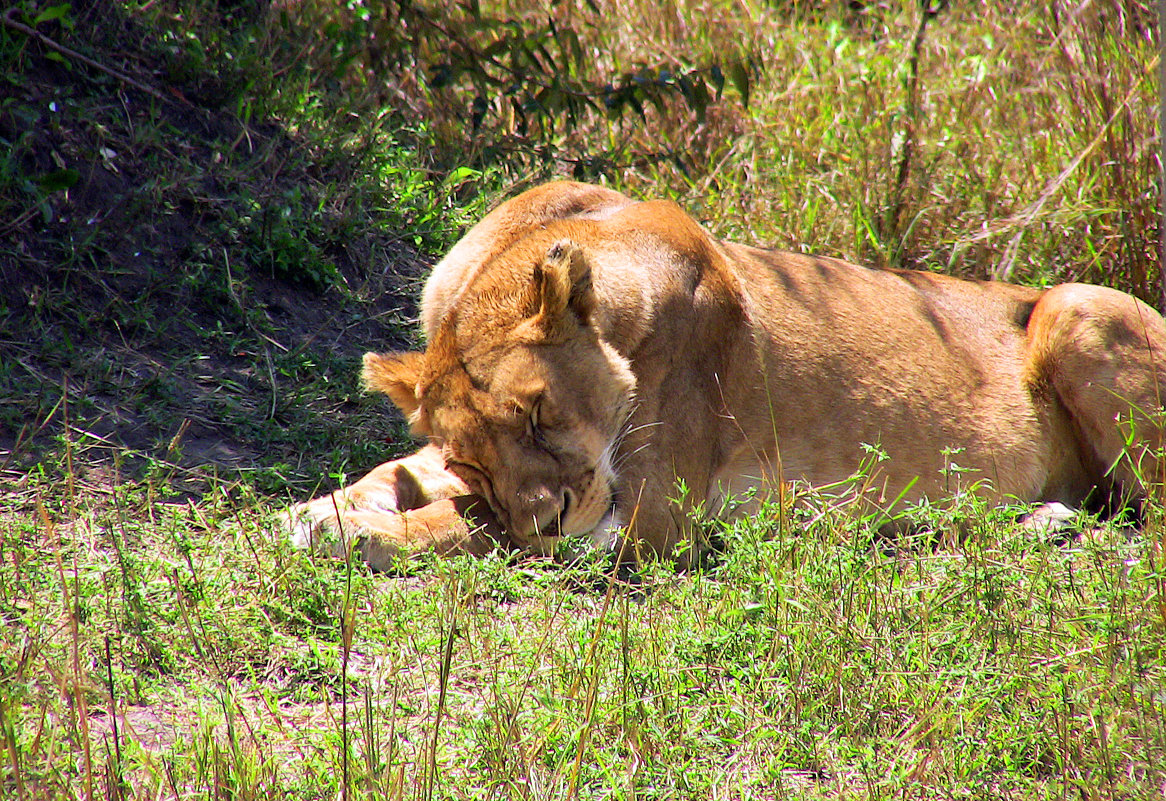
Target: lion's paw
(315, 527)
(1052, 519)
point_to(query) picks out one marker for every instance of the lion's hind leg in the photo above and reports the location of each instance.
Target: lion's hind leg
(1102, 354)
(401, 508)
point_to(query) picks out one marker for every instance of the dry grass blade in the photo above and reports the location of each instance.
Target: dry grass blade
(1024, 218)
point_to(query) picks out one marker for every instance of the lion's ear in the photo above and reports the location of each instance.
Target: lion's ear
(397, 375)
(563, 284)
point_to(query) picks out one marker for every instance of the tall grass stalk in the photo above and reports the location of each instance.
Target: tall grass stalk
(74, 686)
(347, 625)
(445, 668)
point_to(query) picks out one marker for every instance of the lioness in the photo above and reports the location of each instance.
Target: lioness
(587, 353)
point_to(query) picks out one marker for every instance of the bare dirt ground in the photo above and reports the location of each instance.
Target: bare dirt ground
(148, 306)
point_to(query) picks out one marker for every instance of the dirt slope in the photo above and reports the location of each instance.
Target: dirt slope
(173, 273)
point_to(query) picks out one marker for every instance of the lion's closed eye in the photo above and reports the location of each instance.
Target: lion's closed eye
(537, 424)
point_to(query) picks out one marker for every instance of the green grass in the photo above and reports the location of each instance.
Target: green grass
(199, 269)
(805, 663)
(187, 283)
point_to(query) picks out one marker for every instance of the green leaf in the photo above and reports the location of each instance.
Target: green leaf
(478, 110)
(699, 99)
(652, 93)
(739, 75)
(442, 76)
(530, 48)
(495, 47)
(58, 180)
(552, 99)
(52, 13)
(610, 96)
(718, 79)
(463, 174)
(576, 48)
(635, 103)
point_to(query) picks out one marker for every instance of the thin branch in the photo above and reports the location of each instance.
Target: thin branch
(930, 10)
(1023, 219)
(9, 21)
(1162, 154)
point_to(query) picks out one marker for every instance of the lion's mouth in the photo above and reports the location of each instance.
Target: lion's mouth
(605, 537)
(585, 506)
(568, 502)
(559, 528)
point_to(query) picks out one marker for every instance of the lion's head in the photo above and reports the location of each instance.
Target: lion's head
(521, 393)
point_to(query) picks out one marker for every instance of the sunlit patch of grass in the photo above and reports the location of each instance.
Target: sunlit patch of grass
(808, 659)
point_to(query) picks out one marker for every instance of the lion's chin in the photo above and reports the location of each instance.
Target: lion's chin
(602, 538)
(605, 536)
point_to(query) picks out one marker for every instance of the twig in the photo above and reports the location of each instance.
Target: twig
(70, 606)
(119, 777)
(10, 22)
(444, 671)
(9, 732)
(347, 619)
(930, 10)
(20, 220)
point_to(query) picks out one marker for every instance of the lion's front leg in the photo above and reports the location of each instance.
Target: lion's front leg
(463, 524)
(400, 508)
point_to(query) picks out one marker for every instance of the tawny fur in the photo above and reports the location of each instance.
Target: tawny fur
(588, 352)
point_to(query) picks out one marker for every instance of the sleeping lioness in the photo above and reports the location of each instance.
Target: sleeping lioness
(588, 355)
